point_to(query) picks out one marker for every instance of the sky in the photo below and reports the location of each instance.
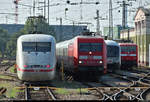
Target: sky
(76, 13)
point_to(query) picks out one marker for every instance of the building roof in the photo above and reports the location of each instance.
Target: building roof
(145, 10)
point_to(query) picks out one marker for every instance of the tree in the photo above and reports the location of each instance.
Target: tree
(12, 43)
(3, 40)
(38, 25)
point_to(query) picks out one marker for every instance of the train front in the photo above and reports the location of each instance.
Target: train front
(113, 55)
(91, 55)
(129, 54)
(36, 58)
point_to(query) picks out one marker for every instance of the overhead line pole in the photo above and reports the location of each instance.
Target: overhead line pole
(98, 23)
(44, 8)
(124, 16)
(34, 8)
(48, 12)
(110, 35)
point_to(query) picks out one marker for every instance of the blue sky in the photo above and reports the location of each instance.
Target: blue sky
(73, 13)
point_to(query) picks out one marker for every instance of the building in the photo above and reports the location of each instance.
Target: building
(140, 34)
(128, 34)
(116, 31)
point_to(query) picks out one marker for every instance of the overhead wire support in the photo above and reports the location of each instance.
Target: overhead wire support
(98, 25)
(80, 3)
(59, 37)
(48, 12)
(16, 10)
(81, 17)
(124, 5)
(98, 18)
(110, 35)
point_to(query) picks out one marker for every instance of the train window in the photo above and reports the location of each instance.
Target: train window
(29, 46)
(43, 46)
(132, 48)
(124, 49)
(86, 47)
(128, 48)
(36, 46)
(112, 51)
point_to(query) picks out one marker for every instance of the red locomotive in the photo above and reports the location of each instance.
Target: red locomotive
(129, 54)
(83, 54)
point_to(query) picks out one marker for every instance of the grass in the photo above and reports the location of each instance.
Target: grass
(62, 91)
(12, 69)
(5, 61)
(82, 90)
(11, 90)
(12, 93)
(5, 77)
(70, 91)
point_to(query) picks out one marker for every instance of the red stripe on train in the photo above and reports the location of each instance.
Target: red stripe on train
(31, 70)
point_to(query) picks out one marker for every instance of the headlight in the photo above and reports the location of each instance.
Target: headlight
(80, 61)
(100, 61)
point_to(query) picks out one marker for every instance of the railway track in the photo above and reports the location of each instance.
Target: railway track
(39, 94)
(122, 93)
(2, 90)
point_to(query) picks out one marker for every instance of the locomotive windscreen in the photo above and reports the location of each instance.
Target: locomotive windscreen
(112, 51)
(86, 47)
(128, 48)
(36, 46)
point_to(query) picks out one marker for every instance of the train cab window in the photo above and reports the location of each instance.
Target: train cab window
(29, 46)
(112, 51)
(132, 49)
(128, 48)
(43, 46)
(36, 46)
(86, 47)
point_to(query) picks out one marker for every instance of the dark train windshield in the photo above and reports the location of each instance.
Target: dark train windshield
(128, 48)
(36, 46)
(86, 47)
(112, 51)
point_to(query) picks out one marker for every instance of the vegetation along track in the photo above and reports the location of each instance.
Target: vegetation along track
(6, 65)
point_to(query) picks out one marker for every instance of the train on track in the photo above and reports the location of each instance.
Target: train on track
(129, 54)
(113, 55)
(83, 54)
(36, 57)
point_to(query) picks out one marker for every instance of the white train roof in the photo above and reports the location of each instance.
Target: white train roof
(35, 37)
(111, 42)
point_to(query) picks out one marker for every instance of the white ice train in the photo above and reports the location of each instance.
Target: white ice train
(113, 55)
(36, 58)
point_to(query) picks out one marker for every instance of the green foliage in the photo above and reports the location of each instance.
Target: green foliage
(11, 45)
(38, 25)
(3, 40)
